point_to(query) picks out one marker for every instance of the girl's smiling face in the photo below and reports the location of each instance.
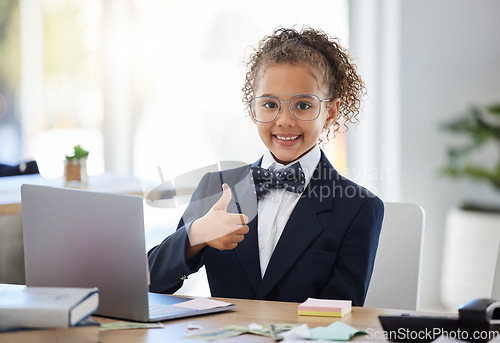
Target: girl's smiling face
(287, 137)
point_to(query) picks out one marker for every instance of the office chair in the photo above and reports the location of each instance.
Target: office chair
(395, 281)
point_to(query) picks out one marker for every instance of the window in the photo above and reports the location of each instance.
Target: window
(137, 81)
(143, 85)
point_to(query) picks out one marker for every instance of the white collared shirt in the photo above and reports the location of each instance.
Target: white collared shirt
(275, 208)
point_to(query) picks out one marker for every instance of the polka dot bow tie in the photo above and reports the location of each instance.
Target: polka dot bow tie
(292, 179)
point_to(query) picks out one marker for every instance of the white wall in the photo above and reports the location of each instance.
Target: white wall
(424, 62)
(450, 58)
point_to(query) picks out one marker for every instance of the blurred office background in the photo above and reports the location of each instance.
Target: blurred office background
(153, 85)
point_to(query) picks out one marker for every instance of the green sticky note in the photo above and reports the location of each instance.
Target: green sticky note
(336, 331)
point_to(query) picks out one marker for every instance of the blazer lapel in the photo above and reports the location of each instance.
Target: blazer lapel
(245, 200)
(302, 227)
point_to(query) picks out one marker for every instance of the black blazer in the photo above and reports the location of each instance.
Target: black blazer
(327, 249)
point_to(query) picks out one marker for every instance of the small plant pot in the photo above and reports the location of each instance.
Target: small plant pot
(75, 172)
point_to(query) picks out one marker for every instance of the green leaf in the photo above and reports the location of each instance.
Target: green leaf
(78, 153)
(494, 109)
(479, 126)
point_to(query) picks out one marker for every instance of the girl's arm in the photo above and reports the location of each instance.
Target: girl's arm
(167, 263)
(181, 253)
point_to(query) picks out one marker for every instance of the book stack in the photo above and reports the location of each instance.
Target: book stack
(48, 314)
(325, 307)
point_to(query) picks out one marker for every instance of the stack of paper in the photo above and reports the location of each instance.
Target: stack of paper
(325, 307)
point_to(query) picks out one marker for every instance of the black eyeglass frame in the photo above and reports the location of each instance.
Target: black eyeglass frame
(289, 106)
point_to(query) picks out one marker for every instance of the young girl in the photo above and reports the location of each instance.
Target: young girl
(287, 227)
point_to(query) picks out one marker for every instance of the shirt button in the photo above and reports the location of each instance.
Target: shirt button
(275, 199)
(261, 245)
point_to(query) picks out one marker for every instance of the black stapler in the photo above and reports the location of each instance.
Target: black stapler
(477, 321)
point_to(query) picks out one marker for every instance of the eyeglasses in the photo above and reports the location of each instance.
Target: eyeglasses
(305, 107)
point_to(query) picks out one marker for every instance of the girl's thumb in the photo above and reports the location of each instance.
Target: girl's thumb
(225, 198)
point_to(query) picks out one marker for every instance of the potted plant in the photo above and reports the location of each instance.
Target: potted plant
(472, 234)
(75, 169)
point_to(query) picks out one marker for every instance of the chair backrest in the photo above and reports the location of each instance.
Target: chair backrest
(395, 280)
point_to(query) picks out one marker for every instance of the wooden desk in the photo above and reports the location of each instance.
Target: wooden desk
(247, 311)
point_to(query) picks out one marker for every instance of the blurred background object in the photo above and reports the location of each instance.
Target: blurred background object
(29, 167)
(473, 227)
(480, 127)
(75, 168)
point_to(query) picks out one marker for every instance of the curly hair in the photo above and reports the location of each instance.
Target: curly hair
(321, 52)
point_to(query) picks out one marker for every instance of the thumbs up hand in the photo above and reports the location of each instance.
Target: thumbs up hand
(218, 228)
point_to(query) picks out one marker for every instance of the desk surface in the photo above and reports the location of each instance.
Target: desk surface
(247, 311)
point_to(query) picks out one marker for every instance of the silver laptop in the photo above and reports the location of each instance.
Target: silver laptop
(77, 238)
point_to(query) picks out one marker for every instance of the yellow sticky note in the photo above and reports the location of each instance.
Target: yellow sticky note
(325, 307)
